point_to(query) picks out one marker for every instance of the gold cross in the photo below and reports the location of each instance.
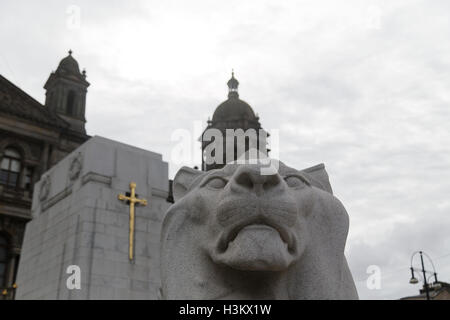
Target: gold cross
(132, 200)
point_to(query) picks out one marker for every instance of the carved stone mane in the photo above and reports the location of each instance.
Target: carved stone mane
(235, 233)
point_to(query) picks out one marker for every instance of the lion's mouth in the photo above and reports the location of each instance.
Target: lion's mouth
(257, 225)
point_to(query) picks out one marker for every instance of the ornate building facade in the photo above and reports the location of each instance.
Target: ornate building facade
(233, 114)
(34, 137)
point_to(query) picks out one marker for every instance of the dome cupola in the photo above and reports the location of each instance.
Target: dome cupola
(233, 108)
(66, 90)
(233, 85)
(246, 131)
(69, 64)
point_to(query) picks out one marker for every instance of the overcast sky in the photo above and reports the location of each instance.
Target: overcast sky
(362, 86)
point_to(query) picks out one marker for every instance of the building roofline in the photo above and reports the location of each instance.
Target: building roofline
(52, 119)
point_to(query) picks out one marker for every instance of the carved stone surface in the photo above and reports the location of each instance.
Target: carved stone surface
(75, 166)
(45, 188)
(234, 233)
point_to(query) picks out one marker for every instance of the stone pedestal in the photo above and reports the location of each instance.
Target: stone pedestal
(78, 220)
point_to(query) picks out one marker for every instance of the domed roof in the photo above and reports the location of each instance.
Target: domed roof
(233, 108)
(69, 65)
(67, 69)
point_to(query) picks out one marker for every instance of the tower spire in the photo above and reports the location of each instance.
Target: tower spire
(66, 90)
(233, 85)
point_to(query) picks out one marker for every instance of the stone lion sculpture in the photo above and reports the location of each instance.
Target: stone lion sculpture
(234, 233)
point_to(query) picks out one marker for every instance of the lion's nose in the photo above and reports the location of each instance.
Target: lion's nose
(249, 177)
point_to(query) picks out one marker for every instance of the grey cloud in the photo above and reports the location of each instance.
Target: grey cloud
(369, 101)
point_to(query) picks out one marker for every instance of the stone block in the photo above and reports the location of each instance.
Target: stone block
(78, 220)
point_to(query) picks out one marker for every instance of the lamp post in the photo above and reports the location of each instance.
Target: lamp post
(414, 280)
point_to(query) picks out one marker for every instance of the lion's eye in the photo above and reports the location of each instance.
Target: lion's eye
(295, 182)
(216, 183)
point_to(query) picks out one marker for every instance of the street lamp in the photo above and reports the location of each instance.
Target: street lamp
(414, 280)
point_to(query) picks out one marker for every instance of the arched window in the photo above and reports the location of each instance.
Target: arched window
(71, 103)
(10, 168)
(3, 260)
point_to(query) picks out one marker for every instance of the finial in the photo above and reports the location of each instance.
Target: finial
(84, 72)
(70, 52)
(233, 86)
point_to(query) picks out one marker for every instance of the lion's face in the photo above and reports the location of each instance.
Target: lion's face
(233, 222)
(255, 221)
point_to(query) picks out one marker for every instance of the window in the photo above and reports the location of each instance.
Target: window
(71, 103)
(10, 168)
(28, 178)
(3, 259)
